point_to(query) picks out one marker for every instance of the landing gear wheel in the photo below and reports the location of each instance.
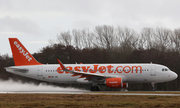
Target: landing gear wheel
(153, 88)
(97, 88)
(94, 88)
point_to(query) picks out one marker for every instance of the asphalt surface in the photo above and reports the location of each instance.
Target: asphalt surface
(143, 93)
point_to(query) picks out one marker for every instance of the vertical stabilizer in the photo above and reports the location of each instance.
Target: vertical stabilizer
(20, 54)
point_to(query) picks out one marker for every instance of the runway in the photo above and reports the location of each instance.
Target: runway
(45, 92)
(11, 87)
(139, 93)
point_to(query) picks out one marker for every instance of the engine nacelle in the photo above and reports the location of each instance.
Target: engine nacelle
(115, 83)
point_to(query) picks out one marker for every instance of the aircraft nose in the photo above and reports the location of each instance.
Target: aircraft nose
(174, 75)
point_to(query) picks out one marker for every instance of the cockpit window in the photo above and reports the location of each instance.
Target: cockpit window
(164, 69)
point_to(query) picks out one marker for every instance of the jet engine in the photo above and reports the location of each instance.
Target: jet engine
(115, 83)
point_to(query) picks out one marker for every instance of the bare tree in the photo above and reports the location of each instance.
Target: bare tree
(175, 40)
(162, 38)
(65, 38)
(77, 38)
(86, 38)
(108, 37)
(126, 38)
(104, 37)
(147, 38)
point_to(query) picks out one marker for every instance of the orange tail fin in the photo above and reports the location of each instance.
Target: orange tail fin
(20, 54)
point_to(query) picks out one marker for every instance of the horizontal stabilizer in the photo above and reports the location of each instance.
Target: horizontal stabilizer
(17, 70)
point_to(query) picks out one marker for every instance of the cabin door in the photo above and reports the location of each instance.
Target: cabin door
(40, 72)
(153, 70)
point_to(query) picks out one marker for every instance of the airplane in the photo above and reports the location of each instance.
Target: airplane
(110, 75)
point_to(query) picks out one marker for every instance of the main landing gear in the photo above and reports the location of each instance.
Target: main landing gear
(95, 88)
(153, 87)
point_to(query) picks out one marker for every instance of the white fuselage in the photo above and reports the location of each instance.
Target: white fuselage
(136, 73)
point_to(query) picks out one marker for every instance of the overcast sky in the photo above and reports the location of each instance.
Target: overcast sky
(34, 22)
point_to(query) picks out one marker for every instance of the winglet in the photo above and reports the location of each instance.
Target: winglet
(62, 66)
(20, 54)
(60, 63)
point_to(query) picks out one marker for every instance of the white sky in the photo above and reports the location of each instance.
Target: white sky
(34, 22)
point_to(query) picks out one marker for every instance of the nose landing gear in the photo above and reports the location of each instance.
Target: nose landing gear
(153, 87)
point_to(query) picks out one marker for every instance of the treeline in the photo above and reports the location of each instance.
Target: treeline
(108, 44)
(121, 38)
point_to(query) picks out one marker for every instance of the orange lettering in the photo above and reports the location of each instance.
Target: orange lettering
(69, 68)
(109, 68)
(137, 68)
(125, 70)
(77, 68)
(102, 69)
(117, 69)
(95, 69)
(59, 70)
(85, 69)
